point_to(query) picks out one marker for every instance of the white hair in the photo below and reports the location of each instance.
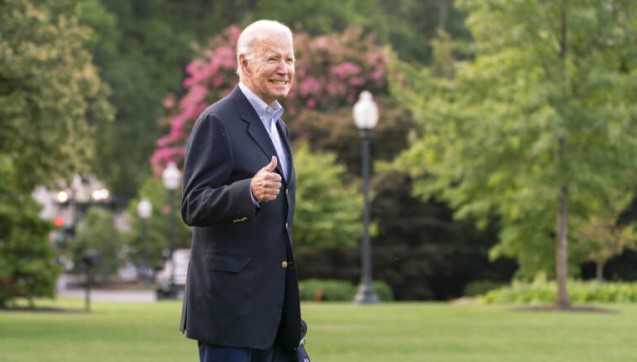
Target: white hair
(253, 33)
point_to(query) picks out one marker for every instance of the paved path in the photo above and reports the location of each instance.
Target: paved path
(124, 296)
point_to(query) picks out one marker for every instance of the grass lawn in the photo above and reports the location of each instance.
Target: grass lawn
(338, 332)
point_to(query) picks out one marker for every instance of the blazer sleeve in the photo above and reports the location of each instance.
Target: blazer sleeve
(209, 195)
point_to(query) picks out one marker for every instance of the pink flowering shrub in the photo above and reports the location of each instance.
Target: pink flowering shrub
(331, 71)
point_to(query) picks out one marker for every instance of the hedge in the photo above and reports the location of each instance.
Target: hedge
(331, 290)
(540, 292)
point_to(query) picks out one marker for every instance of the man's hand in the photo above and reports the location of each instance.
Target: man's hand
(266, 184)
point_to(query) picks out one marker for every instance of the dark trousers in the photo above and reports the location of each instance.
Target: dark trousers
(210, 353)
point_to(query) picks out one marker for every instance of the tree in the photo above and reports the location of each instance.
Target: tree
(51, 97)
(97, 232)
(141, 49)
(51, 100)
(602, 231)
(331, 71)
(421, 251)
(27, 264)
(539, 122)
(407, 25)
(148, 241)
(328, 211)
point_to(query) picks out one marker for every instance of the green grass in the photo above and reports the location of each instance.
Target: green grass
(338, 332)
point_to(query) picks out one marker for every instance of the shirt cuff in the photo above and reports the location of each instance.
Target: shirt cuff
(254, 201)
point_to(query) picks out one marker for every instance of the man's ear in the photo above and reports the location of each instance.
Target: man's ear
(243, 63)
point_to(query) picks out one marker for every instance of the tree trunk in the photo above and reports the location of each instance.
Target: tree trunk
(561, 252)
(599, 270)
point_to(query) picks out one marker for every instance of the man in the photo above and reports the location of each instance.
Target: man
(242, 302)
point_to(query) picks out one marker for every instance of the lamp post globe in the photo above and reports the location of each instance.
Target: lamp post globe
(365, 111)
(171, 176)
(172, 179)
(366, 117)
(144, 208)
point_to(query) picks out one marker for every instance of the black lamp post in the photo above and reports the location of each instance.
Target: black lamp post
(89, 259)
(366, 118)
(144, 211)
(172, 178)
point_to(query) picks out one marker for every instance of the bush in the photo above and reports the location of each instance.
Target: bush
(97, 232)
(27, 262)
(541, 292)
(338, 290)
(479, 287)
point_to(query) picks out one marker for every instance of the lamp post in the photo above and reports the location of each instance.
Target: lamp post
(172, 178)
(144, 211)
(366, 118)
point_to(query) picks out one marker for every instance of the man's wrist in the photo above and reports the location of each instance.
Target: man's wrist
(254, 200)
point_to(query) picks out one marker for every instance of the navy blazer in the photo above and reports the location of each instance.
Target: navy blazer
(241, 289)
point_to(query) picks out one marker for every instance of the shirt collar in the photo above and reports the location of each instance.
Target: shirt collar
(266, 112)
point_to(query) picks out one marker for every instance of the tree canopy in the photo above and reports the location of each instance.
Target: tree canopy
(51, 97)
(541, 120)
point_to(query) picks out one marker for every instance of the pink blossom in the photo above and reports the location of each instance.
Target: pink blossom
(233, 32)
(202, 72)
(226, 57)
(356, 81)
(378, 74)
(336, 89)
(345, 70)
(194, 66)
(309, 86)
(322, 42)
(217, 80)
(169, 101)
(194, 96)
(331, 70)
(162, 156)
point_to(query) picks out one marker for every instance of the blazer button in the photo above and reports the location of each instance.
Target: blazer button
(286, 225)
(284, 264)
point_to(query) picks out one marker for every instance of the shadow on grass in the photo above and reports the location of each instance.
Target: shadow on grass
(30, 309)
(570, 309)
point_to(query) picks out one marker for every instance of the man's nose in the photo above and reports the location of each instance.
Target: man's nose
(283, 68)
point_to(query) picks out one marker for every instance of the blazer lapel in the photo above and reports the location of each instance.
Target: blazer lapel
(283, 131)
(255, 128)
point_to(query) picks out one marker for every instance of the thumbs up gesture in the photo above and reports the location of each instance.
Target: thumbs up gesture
(266, 184)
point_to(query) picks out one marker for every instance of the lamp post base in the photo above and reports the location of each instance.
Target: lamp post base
(366, 295)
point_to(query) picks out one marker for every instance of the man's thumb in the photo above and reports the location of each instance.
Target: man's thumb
(270, 167)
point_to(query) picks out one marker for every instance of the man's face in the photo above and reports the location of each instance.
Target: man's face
(270, 71)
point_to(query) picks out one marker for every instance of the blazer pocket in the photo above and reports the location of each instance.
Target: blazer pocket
(229, 263)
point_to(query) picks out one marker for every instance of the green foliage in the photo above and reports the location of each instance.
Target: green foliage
(421, 251)
(408, 25)
(327, 212)
(27, 265)
(490, 135)
(338, 290)
(543, 292)
(148, 240)
(97, 232)
(51, 97)
(601, 233)
(141, 48)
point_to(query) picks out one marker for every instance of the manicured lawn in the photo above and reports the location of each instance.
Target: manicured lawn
(338, 332)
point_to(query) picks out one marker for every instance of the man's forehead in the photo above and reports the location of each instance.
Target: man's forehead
(275, 45)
